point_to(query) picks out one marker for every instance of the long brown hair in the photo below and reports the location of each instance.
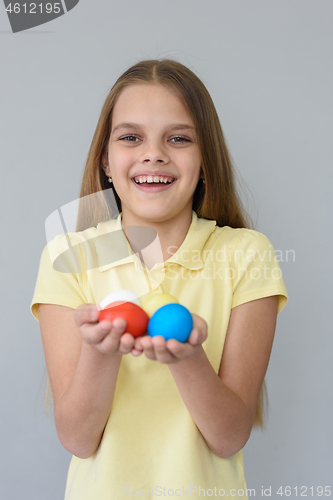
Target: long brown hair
(217, 200)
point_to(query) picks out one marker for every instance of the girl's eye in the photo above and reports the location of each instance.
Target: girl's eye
(133, 138)
(181, 139)
(129, 138)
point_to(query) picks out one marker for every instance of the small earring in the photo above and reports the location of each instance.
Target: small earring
(204, 181)
(110, 180)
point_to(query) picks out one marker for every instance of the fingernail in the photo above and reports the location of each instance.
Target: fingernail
(118, 327)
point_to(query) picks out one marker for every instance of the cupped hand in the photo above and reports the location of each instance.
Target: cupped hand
(171, 351)
(105, 336)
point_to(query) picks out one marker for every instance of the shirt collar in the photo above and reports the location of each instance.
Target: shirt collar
(113, 248)
(189, 254)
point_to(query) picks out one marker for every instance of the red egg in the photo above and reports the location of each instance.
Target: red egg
(135, 317)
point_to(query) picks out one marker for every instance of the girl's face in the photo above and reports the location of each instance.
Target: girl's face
(153, 156)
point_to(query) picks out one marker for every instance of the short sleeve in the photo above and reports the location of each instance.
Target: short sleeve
(57, 287)
(255, 270)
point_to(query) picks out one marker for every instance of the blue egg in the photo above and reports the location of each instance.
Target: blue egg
(172, 321)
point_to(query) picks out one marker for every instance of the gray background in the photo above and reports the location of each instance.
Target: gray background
(268, 67)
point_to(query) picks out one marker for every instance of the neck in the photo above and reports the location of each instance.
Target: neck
(171, 234)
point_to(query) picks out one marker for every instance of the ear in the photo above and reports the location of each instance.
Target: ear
(105, 161)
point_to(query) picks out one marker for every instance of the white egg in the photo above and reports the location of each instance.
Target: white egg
(125, 295)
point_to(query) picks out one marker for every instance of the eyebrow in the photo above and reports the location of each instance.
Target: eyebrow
(175, 126)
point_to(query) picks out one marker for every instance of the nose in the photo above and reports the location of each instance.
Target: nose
(154, 153)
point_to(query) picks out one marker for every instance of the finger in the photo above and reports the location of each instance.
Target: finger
(86, 313)
(199, 330)
(180, 350)
(147, 346)
(126, 343)
(199, 322)
(96, 333)
(112, 334)
(175, 347)
(137, 348)
(136, 352)
(196, 337)
(162, 354)
(138, 341)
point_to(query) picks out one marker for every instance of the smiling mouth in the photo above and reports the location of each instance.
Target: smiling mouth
(152, 180)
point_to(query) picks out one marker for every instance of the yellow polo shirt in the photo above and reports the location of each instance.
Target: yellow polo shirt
(151, 446)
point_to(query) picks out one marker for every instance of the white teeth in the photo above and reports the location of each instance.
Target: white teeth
(152, 179)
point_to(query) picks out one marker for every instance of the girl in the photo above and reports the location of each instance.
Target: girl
(145, 416)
